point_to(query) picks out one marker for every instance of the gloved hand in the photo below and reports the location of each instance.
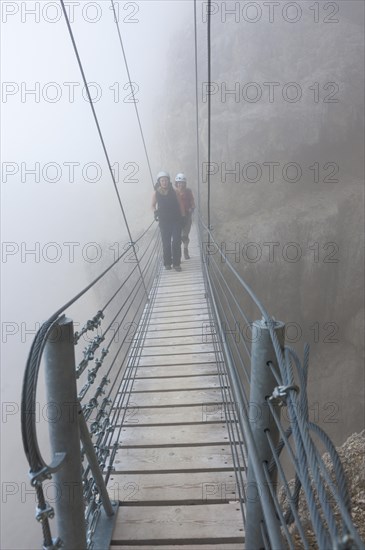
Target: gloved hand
(156, 215)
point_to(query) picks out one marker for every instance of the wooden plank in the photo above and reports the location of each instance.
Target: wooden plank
(175, 488)
(182, 359)
(187, 278)
(178, 370)
(218, 523)
(174, 459)
(172, 340)
(179, 292)
(178, 305)
(172, 315)
(194, 322)
(196, 347)
(176, 398)
(198, 327)
(181, 279)
(176, 299)
(133, 415)
(176, 310)
(206, 330)
(182, 384)
(211, 546)
(176, 302)
(189, 434)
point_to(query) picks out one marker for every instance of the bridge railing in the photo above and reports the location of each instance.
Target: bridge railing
(84, 371)
(290, 497)
(260, 377)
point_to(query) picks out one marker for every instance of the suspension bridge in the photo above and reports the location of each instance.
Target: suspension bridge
(171, 436)
(180, 444)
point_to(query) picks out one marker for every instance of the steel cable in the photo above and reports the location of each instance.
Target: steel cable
(130, 84)
(99, 130)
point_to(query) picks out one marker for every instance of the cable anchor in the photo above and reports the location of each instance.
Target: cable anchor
(280, 394)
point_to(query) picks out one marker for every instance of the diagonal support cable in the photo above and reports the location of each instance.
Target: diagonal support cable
(130, 84)
(102, 139)
(197, 103)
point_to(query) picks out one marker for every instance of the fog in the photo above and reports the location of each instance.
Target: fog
(61, 221)
(69, 197)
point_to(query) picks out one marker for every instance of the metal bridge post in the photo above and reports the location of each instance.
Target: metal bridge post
(65, 434)
(262, 385)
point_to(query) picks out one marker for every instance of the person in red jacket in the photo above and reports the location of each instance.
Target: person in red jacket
(186, 198)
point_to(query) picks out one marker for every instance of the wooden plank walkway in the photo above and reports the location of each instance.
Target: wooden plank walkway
(174, 472)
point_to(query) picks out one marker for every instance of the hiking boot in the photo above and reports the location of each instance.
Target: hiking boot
(168, 267)
(186, 254)
(177, 268)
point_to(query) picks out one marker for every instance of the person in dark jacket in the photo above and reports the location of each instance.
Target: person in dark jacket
(168, 213)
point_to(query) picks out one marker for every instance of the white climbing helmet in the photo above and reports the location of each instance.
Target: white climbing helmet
(180, 178)
(162, 174)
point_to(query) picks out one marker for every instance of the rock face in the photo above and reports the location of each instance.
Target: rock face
(287, 119)
(351, 455)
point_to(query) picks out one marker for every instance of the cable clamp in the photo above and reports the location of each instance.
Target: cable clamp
(37, 478)
(280, 394)
(56, 543)
(44, 513)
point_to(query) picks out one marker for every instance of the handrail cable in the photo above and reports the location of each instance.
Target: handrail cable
(232, 421)
(106, 350)
(39, 470)
(32, 369)
(96, 321)
(129, 306)
(311, 472)
(125, 394)
(238, 276)
(135, 267)
(239, 354)
(131, 87)
(120, 347)
(125, 281)
(118, 402)
(91, 324)
(249, 323)
(250, 441)
(100, 133)
(141, 334)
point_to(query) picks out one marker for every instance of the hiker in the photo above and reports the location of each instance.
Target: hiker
(186, 198)
(168, 212)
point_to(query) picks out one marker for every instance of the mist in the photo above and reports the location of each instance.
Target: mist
(61, 221)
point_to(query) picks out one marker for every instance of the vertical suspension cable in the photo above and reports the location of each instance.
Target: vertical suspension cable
(130, 84)
(102, 140)
(209, 108)
(197, 104)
